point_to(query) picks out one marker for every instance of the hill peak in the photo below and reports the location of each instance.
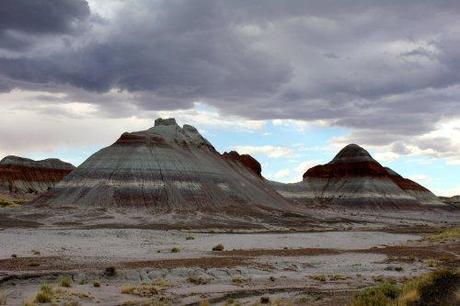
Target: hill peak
(352, 153)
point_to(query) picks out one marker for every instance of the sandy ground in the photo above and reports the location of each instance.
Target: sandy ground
(317, 268)
(290, 259)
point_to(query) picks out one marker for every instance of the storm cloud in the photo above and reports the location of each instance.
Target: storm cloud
(387, 70)
(21, 18)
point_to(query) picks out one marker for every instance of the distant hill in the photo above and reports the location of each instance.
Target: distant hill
(354, 178)
(22, 175)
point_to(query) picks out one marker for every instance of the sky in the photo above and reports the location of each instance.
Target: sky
(289, 82)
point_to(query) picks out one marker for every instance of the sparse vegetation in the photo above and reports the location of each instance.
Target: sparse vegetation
(45, 294)
(447, 234)
(238, 280)
(198, 280)
(378, 278)
(110, 271)
(190, 238)
(175, 250)
(4, 203)
(435, 288)
(35, 252)
(337, 277)
(65, 281)
(146, 289)
(96, 284)
(161, 282)
(218, 248)
(381, 295)
(318, 277)
(34, 264)
(432, 263)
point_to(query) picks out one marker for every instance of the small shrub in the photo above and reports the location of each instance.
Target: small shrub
(218, 248)
(14, 256)
(447, 234)
(319, 277)
(82, 282)
(145, 290)
(161, 282)
(190, 238)
(264, 300)
(110, 271)
(381, 295)
(96, 284)
(45, 294)
(198, 280)
(175, 250)
(378, 278)
(34, 264)
(338, 277)
(35, 252)
(432, 263)
(435, 288)
(65, 281)
(238, 280)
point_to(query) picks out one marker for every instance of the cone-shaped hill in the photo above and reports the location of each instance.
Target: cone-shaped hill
(168, 168)
(23, 175)
(353, 177)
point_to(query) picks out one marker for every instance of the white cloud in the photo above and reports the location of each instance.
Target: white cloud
(281, 174)
(447, 192)
(269, 151)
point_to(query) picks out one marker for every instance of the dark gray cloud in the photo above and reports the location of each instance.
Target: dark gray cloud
(20, 19)
(42, 16)
(385, 69)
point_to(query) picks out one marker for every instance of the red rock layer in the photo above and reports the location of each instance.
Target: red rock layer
(354, 178)
(20, 175)
(247, 160)
(407, 184)
(373, 169)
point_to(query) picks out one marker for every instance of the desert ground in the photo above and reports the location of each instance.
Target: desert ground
(103, 262)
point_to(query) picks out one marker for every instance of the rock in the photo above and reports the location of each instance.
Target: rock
(245, 159)
(23, 175)
(168, 168)
(353, 178)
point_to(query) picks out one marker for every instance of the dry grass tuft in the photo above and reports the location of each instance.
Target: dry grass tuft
(65, 281)
(218, 248)
(144, 290)
(447, 234)
(435, 288)
(45, 294)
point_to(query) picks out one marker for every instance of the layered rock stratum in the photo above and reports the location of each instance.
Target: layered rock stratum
(354, 178)
(23, 175)
(453, 201)
(168, 168)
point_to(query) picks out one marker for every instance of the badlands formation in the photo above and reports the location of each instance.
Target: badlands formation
(23, 178)
(23, 175)
(354, 179)
(161, 218)
(168, 168)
